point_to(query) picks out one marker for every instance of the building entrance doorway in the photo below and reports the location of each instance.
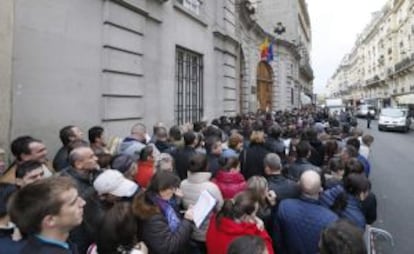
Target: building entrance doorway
(264, 86)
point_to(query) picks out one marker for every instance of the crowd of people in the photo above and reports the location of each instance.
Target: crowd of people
(284, 182)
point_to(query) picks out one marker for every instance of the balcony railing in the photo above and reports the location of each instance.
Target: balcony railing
(306, 69)
(404, 64)
(373, 80)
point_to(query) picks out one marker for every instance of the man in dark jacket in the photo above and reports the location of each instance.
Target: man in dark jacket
(161, 140)
(303, 151)
(182, 155)
(67, 135)
(274, 143)
(83, 170)
(317, 148)
(302, 220)
(284, 188)
(46, 211)
(214, 150)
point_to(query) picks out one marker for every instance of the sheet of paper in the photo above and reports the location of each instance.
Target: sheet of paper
(203, 207)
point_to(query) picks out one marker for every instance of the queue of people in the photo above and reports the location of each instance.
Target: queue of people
(284, 182)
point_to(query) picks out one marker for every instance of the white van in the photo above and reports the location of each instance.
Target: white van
(394, 118)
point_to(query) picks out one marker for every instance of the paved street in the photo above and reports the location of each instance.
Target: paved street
(392, 178)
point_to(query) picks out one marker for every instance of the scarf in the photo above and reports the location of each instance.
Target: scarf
(168, 212)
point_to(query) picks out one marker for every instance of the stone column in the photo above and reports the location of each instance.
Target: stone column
(6, 53)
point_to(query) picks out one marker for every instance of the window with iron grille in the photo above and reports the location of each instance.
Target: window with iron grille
(189, 86)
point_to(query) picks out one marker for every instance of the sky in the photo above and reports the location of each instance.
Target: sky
(335, 26)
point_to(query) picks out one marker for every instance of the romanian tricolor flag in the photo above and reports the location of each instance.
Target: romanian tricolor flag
(266, 50)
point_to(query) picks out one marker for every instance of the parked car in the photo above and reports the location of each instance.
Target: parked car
(363, 109)
(395, 119)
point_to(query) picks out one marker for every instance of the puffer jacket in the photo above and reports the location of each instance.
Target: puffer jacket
(155, 231)
(220, 235)
(230, 183)
(192, 188)
(302, 221)
(353, 209)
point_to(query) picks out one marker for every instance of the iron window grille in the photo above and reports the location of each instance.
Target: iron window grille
(189, 86)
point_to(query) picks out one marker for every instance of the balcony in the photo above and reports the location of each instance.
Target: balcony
(306, 70)
(404, 65)
(373, 82)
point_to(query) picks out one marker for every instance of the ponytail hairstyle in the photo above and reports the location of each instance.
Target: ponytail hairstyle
(228, 163)
(242, 204)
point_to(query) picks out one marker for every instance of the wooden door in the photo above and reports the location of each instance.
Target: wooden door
(264, 87)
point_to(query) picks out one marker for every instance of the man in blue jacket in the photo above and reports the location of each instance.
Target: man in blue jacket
(302, 220)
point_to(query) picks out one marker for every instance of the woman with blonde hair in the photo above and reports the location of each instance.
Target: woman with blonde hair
(260, 187)
(251, 159)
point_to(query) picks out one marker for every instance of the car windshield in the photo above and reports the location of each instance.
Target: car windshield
(393, 112)
(366, 107)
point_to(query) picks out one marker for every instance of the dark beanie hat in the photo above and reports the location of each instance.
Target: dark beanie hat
(122, 163)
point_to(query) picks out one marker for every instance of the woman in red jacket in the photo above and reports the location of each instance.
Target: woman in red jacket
(229, 179)
(236, 218)
(145, 167)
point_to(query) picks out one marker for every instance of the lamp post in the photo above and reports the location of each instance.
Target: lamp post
(279, 29)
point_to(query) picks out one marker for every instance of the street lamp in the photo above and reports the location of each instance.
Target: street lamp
(279, 29)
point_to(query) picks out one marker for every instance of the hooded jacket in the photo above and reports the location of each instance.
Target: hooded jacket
(220, 236)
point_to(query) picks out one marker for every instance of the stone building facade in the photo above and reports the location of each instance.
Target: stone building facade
(379, 69)
(115, 63)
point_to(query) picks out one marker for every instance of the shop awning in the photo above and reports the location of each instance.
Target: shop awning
(405, 99)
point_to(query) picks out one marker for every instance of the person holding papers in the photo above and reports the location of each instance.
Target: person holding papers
(198, 181)
(163, 229)
(236, 218)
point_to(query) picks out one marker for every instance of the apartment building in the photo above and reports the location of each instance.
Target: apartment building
(379, 69)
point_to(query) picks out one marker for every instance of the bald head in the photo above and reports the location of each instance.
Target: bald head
(138, 131)
(310, 183)
(83, 158)
(138, 128)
